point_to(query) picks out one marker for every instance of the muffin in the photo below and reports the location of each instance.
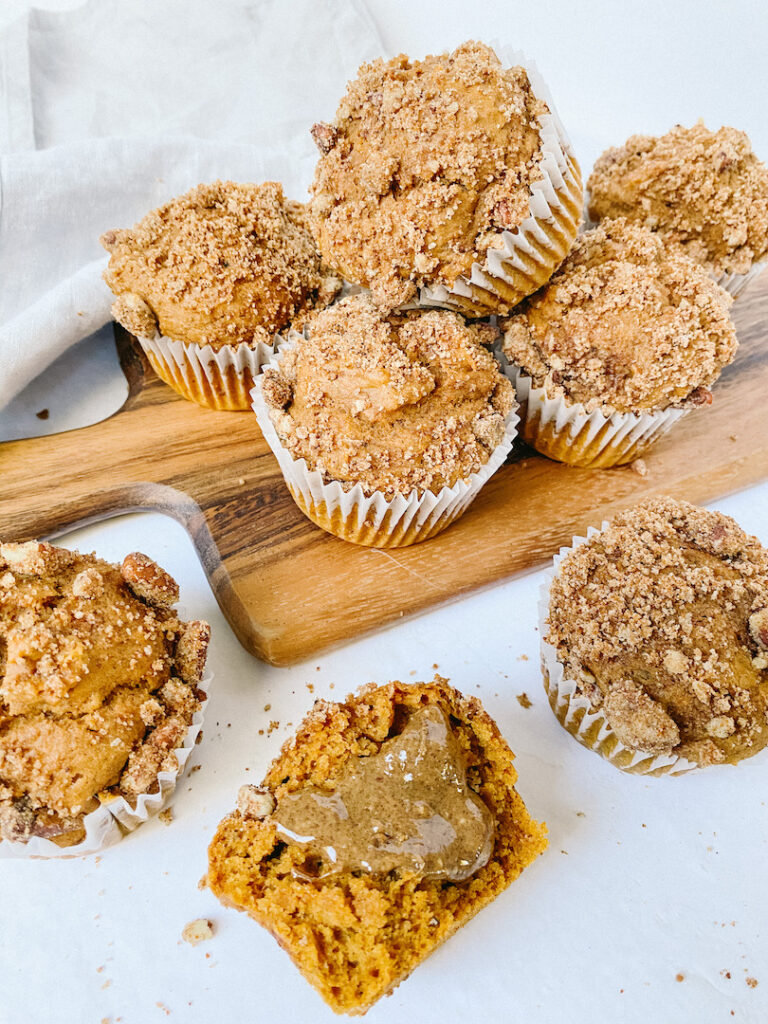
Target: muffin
(206, 281)
(385, 428)
(703, 191)
(625, 338)
(451, 175)
(655, 639)
(99, 696)
(383, 826)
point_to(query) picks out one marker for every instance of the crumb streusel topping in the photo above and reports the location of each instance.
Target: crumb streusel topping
(222, 264)
(425, 165)
(390, 403)
(98, 684)
(662, 620)
(703, 190)
(624, 324)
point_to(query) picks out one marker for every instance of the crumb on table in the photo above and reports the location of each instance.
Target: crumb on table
(197, 931)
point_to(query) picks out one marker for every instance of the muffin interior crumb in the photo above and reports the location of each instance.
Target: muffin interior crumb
(356, 935)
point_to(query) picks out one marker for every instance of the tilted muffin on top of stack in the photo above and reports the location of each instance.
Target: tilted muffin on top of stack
(451, 175)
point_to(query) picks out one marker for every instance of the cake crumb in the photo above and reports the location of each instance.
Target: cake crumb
(267, 707)
(197, 931)
(752, 982)
(43, 414)
(640, 467)
(311, 687)
(524, 700)
(272, 726)
(679, 977)
(166, 816)
(523, 657)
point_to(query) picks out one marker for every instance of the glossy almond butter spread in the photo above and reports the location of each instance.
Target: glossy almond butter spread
(406, 808)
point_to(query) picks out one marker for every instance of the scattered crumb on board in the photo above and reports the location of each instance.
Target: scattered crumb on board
(197, 931)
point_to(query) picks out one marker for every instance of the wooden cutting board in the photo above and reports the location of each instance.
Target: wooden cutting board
(289, 589)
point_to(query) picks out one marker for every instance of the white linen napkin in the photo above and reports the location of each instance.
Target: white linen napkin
(111, 109)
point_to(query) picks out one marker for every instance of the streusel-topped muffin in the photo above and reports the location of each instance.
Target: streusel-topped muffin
(425, 167)
(661, 620)
(222, 264)
(98, 685)
(624, 326)
(702, 190)
(390, 403)
(208, 279)
(382, 827)
(385, 410)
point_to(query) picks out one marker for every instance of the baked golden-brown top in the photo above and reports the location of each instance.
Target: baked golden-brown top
(389, 403)
(98, 684)
(426, 163)
(624, 324)
(219, 265)
(662, 620)
(356, 934)
(705, 191)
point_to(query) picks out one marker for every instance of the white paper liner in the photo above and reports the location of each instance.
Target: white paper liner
(529, 248)
(218, 380)
(410, 518)
(113, 819)
(574, 711)
(737, 284)
(627, 434)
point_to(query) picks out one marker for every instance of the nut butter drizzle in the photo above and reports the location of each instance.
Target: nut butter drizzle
(406, 808)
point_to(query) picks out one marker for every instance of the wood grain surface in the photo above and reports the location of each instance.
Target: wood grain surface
(287, 588)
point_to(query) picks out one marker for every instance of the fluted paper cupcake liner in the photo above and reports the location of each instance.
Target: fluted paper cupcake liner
(372, 519)
(737, 284)
(107, 825)
(573, 709)
(565, 431)
(219, 380)
(528, 256)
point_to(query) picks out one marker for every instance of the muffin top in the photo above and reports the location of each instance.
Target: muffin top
(662, 620)
(390, 403)
(426, 163)
(98, 684)
(220, 265)
(703, 190)
(624, 325)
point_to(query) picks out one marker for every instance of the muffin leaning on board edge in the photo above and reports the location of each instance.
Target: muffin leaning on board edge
(701, 190)
(451, 175)
(386, 428)
(207, 280)
(623, 341)
(655, 639)
(99, 696)
(364, 899)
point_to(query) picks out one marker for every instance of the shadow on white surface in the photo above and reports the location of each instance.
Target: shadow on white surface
(85, 385)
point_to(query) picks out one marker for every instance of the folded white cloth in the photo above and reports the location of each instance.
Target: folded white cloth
(111, 109)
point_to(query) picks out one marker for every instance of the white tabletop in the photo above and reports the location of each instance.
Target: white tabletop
(645, 881)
